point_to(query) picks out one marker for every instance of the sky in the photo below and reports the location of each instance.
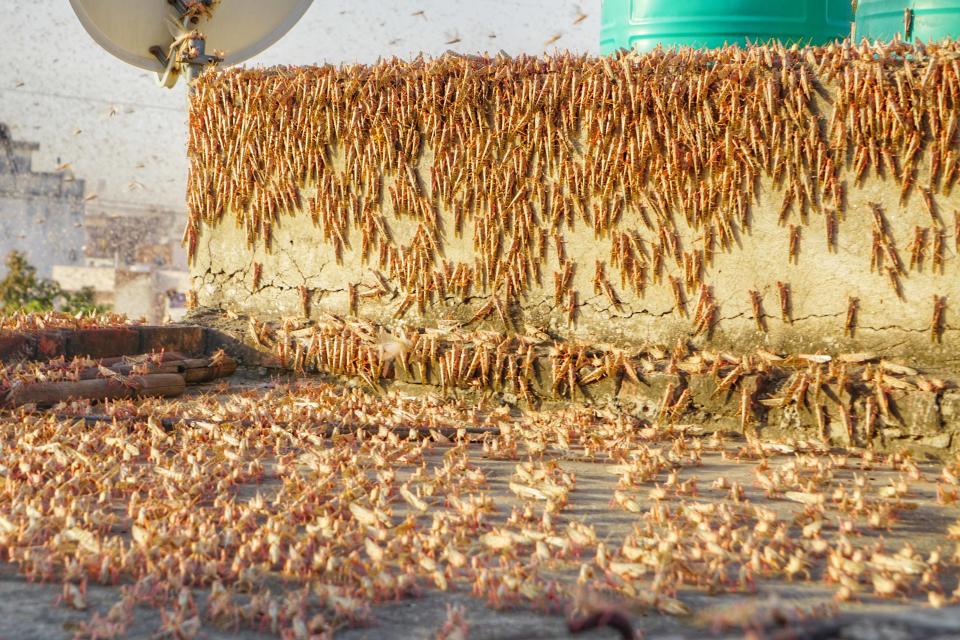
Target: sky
(111, 125)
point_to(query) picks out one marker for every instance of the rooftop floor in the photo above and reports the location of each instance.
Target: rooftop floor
(296, 506)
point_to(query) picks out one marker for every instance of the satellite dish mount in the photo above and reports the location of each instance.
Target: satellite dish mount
(188, 52)
(171, 37)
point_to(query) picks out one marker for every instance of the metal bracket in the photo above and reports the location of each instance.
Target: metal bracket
(189, 49)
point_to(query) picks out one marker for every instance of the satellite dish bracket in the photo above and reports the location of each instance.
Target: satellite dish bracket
(184, 37)
(189, 49)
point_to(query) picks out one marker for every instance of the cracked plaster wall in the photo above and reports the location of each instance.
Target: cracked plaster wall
(820, 281)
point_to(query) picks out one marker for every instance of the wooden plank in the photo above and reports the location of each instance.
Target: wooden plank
(209, 373)
(51, 393)
(92, 373)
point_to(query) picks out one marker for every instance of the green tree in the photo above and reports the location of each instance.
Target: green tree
(22, 290)
(83, 301)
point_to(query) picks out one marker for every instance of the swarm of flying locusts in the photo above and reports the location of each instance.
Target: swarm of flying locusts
(661, 155)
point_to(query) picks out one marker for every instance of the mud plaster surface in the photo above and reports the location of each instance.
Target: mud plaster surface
(821, 281)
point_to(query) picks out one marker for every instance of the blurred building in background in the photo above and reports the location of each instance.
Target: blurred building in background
(129, 254)
(133, 260)
(138, 290)
(135, 234)
(41, 214)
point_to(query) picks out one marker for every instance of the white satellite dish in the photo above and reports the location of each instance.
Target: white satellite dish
(163, 35)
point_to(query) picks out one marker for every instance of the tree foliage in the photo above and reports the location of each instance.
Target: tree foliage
(22, 290)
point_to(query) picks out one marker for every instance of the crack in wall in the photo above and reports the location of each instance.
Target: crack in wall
(547, 304)
(596, 317)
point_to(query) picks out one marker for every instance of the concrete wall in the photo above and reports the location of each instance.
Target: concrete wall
(103, 280)
(139, 292)
(674, 151)
(134, 235)
(41, 214)
(137, 295)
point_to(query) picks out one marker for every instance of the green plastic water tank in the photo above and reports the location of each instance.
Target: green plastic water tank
(643, 24)
(929, 19)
